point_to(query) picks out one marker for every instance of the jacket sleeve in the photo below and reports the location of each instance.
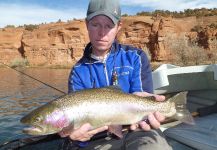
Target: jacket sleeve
(74, 82)
(142, 75)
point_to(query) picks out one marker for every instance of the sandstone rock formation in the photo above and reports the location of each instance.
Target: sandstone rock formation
(10, 43)
(63, 43)
(57, 44)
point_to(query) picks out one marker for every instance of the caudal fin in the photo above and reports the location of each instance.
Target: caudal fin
(182, 113)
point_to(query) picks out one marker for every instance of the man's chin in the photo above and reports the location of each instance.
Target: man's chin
(101, 47)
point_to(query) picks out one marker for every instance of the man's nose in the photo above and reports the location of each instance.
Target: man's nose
(102, 31)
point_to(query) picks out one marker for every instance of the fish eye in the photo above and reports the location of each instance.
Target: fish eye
(37, 119)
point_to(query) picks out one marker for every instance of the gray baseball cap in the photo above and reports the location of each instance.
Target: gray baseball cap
(109, 8)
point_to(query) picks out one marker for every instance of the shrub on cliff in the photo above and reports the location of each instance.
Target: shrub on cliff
(30, 27)
(10, 26)
(213, 25)
(19, 62)
(147, 52)
(186, 13)
(185, 52)
(143, 13)
(124, 15)
(197, 28)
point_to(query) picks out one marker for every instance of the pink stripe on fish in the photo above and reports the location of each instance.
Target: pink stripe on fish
(57, 119)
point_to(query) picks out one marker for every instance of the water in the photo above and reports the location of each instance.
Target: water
(20, 94)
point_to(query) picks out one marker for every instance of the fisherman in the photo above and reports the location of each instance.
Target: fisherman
(105, 62)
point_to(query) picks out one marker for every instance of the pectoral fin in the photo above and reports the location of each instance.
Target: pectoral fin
(116, 130)
(67, 130)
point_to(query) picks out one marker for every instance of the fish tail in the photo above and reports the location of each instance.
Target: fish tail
(182, 113)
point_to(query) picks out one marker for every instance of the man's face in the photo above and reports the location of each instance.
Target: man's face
(102, 33)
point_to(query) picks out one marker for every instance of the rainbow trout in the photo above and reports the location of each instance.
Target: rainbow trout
(100, 107)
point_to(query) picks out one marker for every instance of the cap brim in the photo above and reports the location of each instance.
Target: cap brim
(114, 20)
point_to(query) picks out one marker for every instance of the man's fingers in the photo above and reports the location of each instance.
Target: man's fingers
(81, 133)
(134, 126)
(159, 97)
(97, 130)
(91, 133)
(143, 94)
(141, 124)
(153, 121)
(84, 139)
(85, 133)
(62, 134)
(146, 94)
(86, 127)
(159, 116)
(145, 126)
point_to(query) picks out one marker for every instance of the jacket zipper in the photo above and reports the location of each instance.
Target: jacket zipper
(106, 73)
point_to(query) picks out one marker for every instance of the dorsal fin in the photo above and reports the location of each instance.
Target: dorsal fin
(179, 98)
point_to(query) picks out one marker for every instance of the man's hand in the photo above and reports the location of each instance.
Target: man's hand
(84, 133)
(146, 94)
(154, 119)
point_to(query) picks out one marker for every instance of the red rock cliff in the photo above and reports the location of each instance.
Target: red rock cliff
(63, 43)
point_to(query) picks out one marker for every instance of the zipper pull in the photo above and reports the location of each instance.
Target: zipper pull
(114, 78)
(93, 84)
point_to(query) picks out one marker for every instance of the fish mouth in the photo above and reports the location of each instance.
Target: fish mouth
(33, 130)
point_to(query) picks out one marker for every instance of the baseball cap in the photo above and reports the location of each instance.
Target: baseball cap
(109, 8)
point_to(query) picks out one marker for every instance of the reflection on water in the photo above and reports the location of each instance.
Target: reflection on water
(20, 94)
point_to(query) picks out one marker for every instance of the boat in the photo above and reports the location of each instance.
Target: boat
(201, 84)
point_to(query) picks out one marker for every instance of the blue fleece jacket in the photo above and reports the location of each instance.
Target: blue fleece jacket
(130, 64)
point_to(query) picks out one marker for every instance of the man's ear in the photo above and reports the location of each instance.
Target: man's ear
(119, 26)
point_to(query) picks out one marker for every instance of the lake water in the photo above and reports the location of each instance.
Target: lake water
(20, 94)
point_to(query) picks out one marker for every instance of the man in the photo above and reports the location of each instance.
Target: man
(106, 62)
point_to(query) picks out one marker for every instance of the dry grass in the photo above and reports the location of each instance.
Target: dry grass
(185, 53)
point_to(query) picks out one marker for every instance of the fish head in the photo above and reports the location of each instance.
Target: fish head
(44, 120)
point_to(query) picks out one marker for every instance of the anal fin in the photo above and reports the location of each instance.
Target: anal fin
(116, 130)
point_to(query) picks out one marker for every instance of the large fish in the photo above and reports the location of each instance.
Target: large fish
(99, 107)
